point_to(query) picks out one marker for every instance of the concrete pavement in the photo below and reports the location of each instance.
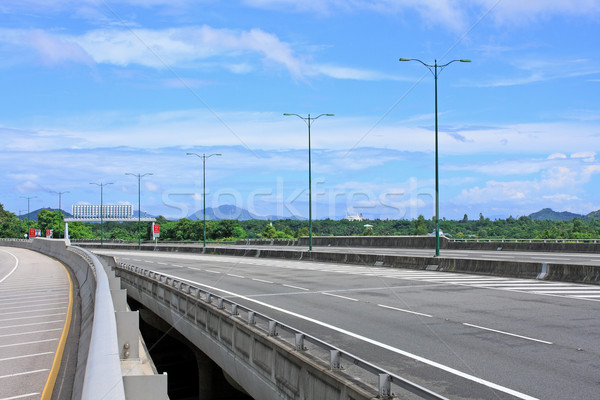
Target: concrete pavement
(35, 314)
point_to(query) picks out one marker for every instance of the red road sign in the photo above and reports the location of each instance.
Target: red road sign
(31, 232)
(156, 228)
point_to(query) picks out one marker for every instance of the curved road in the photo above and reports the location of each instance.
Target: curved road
(463, 336)
(35, 315)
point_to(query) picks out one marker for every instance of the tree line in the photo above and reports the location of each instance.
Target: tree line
(188, 230)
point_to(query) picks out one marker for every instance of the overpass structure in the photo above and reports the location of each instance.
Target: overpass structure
(104, 212)
(356, 323)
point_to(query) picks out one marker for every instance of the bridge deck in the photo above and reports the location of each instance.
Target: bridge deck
(33, 327)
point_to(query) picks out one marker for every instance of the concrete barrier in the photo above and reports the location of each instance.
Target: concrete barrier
(517, 269)
(403, 242)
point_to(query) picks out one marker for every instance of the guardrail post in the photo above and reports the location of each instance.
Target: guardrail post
(385, 385)
(272, 328)
(335, 359)
(128, 331)
(208, 297)
(234, 309)
(300, 342)
(220, 305)
(251, 319)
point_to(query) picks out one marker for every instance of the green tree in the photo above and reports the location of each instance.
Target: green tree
(420, 226)
(302, 232)
(10, 225)
(49, 220)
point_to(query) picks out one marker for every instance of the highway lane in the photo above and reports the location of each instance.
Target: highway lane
(35, 307)
(521, 338)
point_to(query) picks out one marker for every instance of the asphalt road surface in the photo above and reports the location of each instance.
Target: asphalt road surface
(34, 308)
(463, 336)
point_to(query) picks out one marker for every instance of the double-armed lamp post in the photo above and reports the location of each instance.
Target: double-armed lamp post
(101, 208)
(28, 216)
(139, 176)
(204, 157)
(435, 69)
(59, 208)
(308, 121)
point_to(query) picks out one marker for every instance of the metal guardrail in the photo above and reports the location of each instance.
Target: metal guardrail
(385, 379)
(593, 241)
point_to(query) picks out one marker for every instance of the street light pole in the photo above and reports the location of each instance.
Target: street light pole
(101, 208)
(28, 216)
(435, 69)
(308, 121)
(59, 208)
(204, 157)
(139, 176)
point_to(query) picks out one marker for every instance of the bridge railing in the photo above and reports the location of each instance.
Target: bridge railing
(381, 380)
(471, 240)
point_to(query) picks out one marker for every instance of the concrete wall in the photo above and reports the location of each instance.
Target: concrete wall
(413, 242)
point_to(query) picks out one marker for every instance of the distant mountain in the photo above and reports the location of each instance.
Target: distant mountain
(592, 215)
(548, 213)
(33, 216)
(226, 211)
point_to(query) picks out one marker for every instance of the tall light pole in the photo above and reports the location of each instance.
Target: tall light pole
(308, 120)
(139, 176)
(101, 208)
(435, 69)
(59, 208)
(204, 157)
(28, 216)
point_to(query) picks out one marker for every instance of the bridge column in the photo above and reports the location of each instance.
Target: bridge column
(66, 230)
(206, 372)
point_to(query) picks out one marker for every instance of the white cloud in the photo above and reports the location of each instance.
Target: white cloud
(556, 156)
(587, 156)
(453, 15)
(166, 48)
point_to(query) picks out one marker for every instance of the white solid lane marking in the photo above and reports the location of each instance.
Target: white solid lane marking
(24, 373)
(25, 343)
(35, 323)
(33, 316)
(507, 333)
(22, 396)
(14, 268)
(41, 309)
(337, 295)
(406, 311)
(212, 272)
(32, 332)
(261, 280)
(26, 356)
(295, 287)
(375, 343)
(237, 276)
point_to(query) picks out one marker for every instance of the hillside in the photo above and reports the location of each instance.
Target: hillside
(33, 216)
(549, 214)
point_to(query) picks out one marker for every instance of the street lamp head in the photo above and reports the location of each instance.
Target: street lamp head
(405, 59)
(330, 115)
(465, 60)
(287, 114)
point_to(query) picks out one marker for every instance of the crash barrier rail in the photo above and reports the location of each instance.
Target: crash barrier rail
(198, 307)
(594, 241)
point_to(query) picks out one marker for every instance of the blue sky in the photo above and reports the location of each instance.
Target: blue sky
(94, 89)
